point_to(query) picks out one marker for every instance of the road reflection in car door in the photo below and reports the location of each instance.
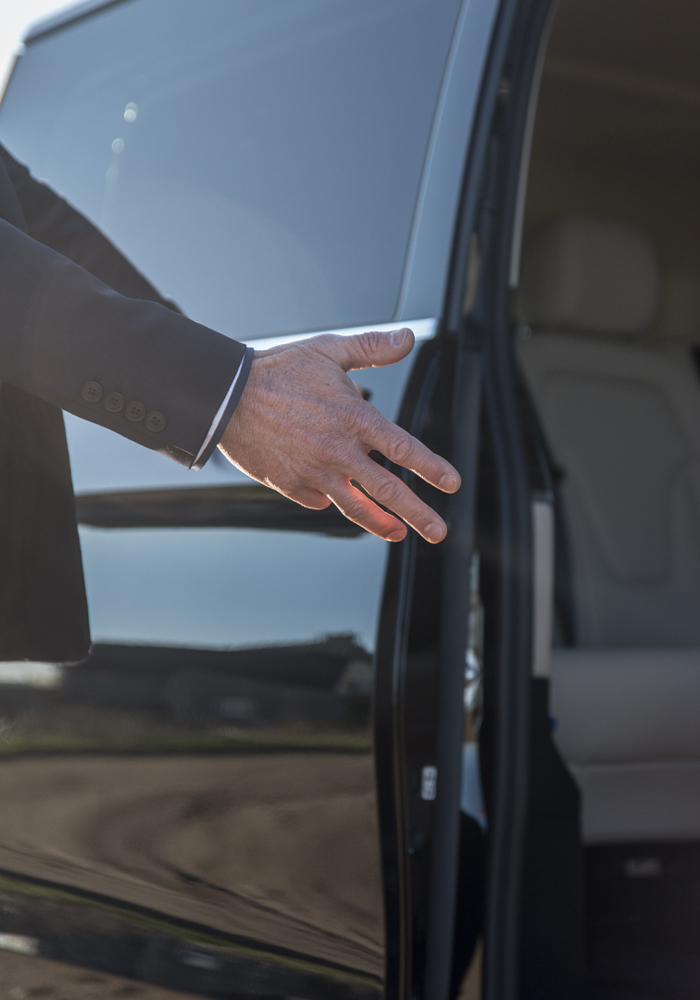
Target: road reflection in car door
(193, 807)
(165, 803)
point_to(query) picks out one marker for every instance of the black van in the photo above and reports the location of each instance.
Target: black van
(301, 763)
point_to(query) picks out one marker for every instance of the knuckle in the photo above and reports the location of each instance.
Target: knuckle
(387, 492)
(367, 344)
(373, 341)
(352, 507)
(330, 451)
(351, 416)
(402, 450)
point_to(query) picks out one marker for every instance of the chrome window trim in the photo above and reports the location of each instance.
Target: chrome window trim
(423, 329)
(53, 22)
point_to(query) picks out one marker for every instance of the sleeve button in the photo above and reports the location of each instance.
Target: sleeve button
(155, 421)
(134, 411)
(91, 392)
(114, 402)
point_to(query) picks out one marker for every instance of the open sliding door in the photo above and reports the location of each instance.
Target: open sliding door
(443, 869)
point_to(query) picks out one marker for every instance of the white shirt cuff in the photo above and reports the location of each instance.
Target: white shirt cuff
(219, 414)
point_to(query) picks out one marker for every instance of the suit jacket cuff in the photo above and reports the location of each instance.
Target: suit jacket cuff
(231, 400)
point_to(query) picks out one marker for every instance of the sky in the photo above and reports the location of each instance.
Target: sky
(15, 17)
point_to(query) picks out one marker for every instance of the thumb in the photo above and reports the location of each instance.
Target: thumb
(365, 350)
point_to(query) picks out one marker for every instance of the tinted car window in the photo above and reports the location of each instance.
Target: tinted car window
(259, 160)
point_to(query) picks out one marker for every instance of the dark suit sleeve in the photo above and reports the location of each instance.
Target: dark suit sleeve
(52, 221)
(94, 343)
(69, 339)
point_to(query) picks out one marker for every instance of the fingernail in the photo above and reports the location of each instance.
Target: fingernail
(398, 337)
(448, 483)
(396, 536)
(435, 532)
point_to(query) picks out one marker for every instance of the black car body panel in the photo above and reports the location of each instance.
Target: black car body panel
(194, 806)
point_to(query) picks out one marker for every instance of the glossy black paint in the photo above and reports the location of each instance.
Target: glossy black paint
(465, 420)
(193, 807)
(136, 788)
(390, 731)
(505, 530)
(423, 640)
(412, 699)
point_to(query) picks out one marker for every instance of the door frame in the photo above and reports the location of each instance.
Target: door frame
(420, 868)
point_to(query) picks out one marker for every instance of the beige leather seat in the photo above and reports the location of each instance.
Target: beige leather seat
(623, 421)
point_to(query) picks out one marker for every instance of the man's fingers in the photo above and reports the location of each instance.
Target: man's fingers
(391, 492)
(310, 498)
(402, 449)
(301, 428)
(360, 509)
(365, 350)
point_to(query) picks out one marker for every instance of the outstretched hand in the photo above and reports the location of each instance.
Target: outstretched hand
(302, 428)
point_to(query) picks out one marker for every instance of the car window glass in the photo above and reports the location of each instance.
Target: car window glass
(258, 160)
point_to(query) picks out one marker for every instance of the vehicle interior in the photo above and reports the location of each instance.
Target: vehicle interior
(608, 341)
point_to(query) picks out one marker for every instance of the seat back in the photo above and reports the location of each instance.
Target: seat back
(622, 420)
(623, 423)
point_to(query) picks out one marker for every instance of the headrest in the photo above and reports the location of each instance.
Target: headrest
(590, 275)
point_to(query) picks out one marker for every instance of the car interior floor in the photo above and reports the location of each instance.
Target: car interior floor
(608, 341)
